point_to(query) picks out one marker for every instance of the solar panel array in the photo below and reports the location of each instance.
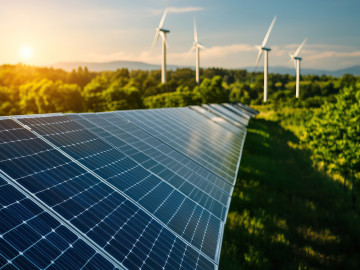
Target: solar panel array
(142, 189)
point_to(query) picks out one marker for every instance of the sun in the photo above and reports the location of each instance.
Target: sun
(26, 52)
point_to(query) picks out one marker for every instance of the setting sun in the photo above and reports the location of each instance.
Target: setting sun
(26, 52)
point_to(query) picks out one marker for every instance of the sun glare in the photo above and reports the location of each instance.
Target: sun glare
(26, 52)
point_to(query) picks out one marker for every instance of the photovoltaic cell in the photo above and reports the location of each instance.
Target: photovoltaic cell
(98, 212)
(168, 205)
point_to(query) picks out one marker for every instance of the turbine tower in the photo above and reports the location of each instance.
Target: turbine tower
(294, 57)
(197, 46)
(262, 49)
(161, 31)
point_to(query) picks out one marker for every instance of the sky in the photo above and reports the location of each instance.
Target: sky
(44, 32)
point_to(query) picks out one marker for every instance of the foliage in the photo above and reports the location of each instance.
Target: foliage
(130, 89)
(284, 213)
(333, 134)
(46, 96)
(211, 91)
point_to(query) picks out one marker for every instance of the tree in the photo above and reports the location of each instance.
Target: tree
(45, 96)
(211, 91)
(122, 98)
(93, 94)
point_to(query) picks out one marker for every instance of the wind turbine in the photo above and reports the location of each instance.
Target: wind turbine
(294, 57)
(197, 46)
(262, 49)
(162, 32)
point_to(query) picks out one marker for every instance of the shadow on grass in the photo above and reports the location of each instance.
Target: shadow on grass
(284, 214)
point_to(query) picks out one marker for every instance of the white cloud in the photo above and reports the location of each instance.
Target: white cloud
(332, 54)
(177, 10)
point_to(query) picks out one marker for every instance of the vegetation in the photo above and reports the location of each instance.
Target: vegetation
(289, 208)
(26, 89)
(287, 212)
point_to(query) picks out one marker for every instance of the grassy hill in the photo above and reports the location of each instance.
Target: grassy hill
(284, 213)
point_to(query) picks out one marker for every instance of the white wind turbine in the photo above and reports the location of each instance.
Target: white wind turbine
(197, 46)
(161, 31)
(262, 49)
(294, 57)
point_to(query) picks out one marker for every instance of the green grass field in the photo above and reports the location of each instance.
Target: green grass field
(284, 213)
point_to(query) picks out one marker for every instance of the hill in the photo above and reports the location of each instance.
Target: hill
(133, 65)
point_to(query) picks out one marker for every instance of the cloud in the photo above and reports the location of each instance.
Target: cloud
(177, 10)
(221, 51)
(332, 54)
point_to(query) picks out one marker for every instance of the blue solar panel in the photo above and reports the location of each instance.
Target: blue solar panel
(98, 212)
(145, 189)
(236, 110)
(168, 205)
(205, 142)
(31, 238)
(197, 187)
(215, 118)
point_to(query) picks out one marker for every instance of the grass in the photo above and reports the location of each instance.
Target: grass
(284, 213)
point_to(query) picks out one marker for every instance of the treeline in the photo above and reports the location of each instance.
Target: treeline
(30, 90)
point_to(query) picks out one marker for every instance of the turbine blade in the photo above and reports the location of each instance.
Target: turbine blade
(155, 40)
(191, 49)
(258, 59)
(268, 32)
(195, 31)
(163, 18)
(201, 46)
(300, 47)
(295, 64)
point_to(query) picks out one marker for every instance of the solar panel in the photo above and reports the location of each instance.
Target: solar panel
(215, 118)
(227, 115)
(150, 192)
(100, 213)
(31, 238)
(243, 119)
(148, 156)
(205, 142)
(237, 110)
(145, 189)
(244, 107)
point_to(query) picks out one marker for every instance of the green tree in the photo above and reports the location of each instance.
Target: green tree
(118, 97)
(211, 91)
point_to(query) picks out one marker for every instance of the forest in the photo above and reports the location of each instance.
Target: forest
(31, 90)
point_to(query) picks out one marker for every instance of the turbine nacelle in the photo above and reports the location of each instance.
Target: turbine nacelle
(260, 48)
(162, 30)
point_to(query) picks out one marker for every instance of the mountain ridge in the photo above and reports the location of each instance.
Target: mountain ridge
(136, 65)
